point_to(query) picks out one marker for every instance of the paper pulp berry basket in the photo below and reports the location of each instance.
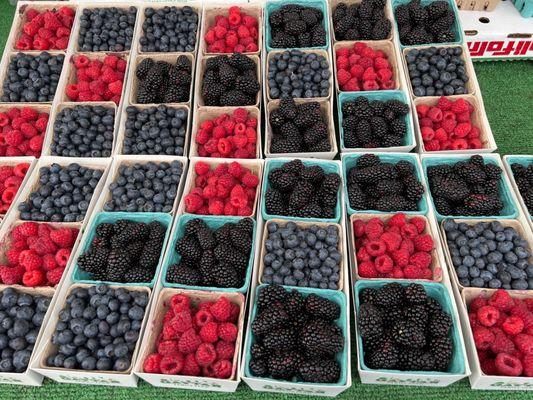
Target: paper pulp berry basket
(525, 161)
(81, 276)
(349, 161)
(327, 166)
(342, 358)
(458, 368)
(509, 211)
(273, 5)
(408, 143)
(213, 222)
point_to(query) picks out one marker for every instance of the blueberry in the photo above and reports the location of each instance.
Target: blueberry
(469, 261)
(494, 257)
(477, 282)
(118, 24)
(474, 272)
(495, 283)
(519, 284)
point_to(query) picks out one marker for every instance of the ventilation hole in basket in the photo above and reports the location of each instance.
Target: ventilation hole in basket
(484, 20)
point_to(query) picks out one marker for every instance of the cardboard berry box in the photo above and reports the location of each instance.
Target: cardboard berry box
(13, 161)
(525, 161)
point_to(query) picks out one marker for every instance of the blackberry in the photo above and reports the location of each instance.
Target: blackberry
(375, 173)
(386, 356)
(138, 274)
(388, 186)
(294, 167)
(320, 339)
(320, 307)
(416, 360)
(415, 293)
(274, 202)
(398, 127)
(225, 276)
(283, 338)
(433, 306)
(437, 8)
(301, 194)
(95, 260)
(389, 295)
(161, 81)
(259, 367)
(135, 250)
(268, 319)
(287, 108)
(369, 321)
(258, 351)
(440, 324)
(235, 98)
(241, 239)
(442, 350)
(417, 314)
(407, 333)
(283, 366)
(319, 370)
(313, 174)
(391, 315)
(189, 247)
(118, 263)
(367, 295)
(184, 275)
(150, 254)
(294, 303)
(381, 30)
(247, 84)
(281, 180)
(367, 160)
(227, 254)
(269, 295)
(144, 67)
(393, 203)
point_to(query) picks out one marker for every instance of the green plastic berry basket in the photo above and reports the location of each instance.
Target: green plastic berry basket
(348, 162)
(523, 160)
(212, 222)
(458, 30)
(327, 166)
(439, 293)
(341, 357)
(408, 142)
(273, 5)
(81, 276)
(524, 7)
(509, 211)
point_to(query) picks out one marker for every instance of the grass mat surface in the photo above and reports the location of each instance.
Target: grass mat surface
(507, 89)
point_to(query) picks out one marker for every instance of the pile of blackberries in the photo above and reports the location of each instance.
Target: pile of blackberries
(437, 71)
(418, 24)
(294, 25)
(403, 328)
(83, 131)
(163, 82)
(302, 256)
(155, 130)
(489, 254)
(466, 188)
(32, 78)
(63, 195)
(294, 73)
(361, 21)
(213, 257)
(98, 329)
(169, 29)
(302, 191)
(21, 317)
(106, 29)
(297, 337)
(299, 128)
(230, 81)
(369, 124)
(383, 186)
(145, 187)
(124, 251)
(524, 180)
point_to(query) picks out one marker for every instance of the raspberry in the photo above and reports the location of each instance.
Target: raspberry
(11, 275)
(13, 256)
(225, 350)
(501, 300)
(434, 114)
(168, 348)
(63, 237)
(30, 261)
(189, 342)
(502, 344)
(376, 248)
(421, 259)
(205, 354)
(49, 262)
(190, 367)
(409, 231)
(222, 369)
(152, 364)
(460, 106)
(362, 255)
(33, 278)
(520, 310)
(513, 325)
(250, 180)
(392, 240)
(527, 364)
(419, 222)
(477, 303)
(508, 365)
(209, 332)
(43, 245)
(193, 202)
(374, 228)
(28, 229)
(221, 309)
(343, 76)
(461, 130)
(168, 332)
(424, 242)
(483, 337)
(171, 365)
(216, 207)
(401, 257)
(413, 272)
(397, 220)
(488, 315)
(228, 332)
(524, 343)
(182, 321)
(54, 276)
(235, 312)
(383, 264)
(62, 257)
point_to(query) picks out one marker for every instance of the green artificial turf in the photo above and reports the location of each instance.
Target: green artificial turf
(507, 89)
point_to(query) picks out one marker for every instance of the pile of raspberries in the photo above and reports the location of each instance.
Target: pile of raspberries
(376, 123)
(228, 136)
(418, 24)
(297, 26)
(236, 33)
(523, 176)
(22, 132)
(227, 189)
(37, 254)
(299, 128)
(10, 180)
(97, 80)
(466, 188)
(502, 327)
(397, 248)
(230, 81)
(164, 82)
(196, 339)
(361, 21)
(360, 67)
(448, 125)
(404, 328)
(302, 191)
(46, 30)
(383, 186)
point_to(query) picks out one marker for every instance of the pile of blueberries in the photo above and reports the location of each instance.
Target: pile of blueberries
(106, 29)
(32, 78)
(302, 256)
(21, 317)
(169, 29)
(437, 71)
(84, 131)
(149, 187)
(155, 130)
(98, 329)
(296, 74)
(489, 254)
(63, 195)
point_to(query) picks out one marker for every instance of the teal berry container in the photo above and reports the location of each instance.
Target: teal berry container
(81, 276)
(212, 222)
(509, 210)
(349, 161)
(327, 166)
(524, 7)
(342, 357)
(381, 95)
(274, 5)
(523, 160)
(457, 29)
(439, 293)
